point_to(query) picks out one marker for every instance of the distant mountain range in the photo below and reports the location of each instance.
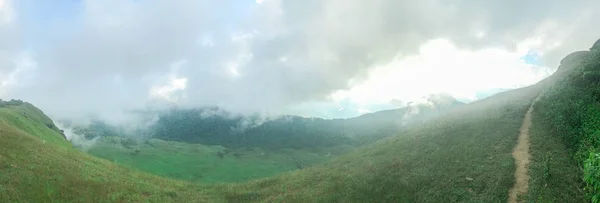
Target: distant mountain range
(214, 126)
(489, 92)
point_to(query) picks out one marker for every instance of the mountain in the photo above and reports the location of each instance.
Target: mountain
(462, 155)
(213, 126)
(486, 93)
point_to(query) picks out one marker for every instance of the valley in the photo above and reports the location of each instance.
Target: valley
(460, 154)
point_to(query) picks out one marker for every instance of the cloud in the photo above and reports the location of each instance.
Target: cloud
(78, 140)
(9, 46)
(6, 12)
(441, 67)
(267, 56)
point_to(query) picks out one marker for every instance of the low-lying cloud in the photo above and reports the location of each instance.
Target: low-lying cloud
(78, 140)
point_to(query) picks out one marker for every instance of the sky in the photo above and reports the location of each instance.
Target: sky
(335, 58)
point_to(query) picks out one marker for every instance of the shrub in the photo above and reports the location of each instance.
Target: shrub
(591, 171)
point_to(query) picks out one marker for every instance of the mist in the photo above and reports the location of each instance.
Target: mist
(78, 140)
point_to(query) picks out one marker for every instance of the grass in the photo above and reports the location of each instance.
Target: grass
(566, 132)
(32, 121)
(41, 169)
(462, 156)
(200, 163)
(554, 175)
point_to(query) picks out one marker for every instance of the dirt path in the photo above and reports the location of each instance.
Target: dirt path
(521, 155)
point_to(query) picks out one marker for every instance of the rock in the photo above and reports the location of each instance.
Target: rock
(596, 46)
(573, 59)
(62, 132)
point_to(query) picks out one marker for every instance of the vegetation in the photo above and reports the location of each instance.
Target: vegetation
(208, 164)
(38, 165)
(569, 110)
(464, 155)
(554, 175)
(23, 116)
(212, 126)
(264, 152)
(13, 102)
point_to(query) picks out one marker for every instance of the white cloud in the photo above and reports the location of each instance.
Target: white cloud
(363, 111)
(117, 55)
(7, 14)
(23, 75)
(441, 67)
(78, 140)
(170, 91)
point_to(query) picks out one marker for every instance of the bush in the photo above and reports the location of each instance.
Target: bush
(591, 171)
(12, 102)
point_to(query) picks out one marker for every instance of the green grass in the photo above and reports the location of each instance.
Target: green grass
(31, 120)
(200, 163)
(462, 156)
(554, 175)
(44, 168)
(566, 134)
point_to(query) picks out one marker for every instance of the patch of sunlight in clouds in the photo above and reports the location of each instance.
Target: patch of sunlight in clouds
(170, 90)
(7, 14)
(442, 67)
(173, 90)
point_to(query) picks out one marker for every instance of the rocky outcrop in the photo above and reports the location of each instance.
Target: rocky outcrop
(573, 60)
(596, 46)
(62, 132)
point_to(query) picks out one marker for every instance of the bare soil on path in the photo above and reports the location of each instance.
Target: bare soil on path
(521, 155)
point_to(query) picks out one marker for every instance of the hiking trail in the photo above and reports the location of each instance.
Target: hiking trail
(521, 155)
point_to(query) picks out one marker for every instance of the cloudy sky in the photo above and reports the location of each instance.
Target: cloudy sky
(333, 58)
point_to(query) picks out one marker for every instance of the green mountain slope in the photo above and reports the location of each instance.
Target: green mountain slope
(463, 155)
(566, 140)
(214, 126)
(38, 165)
(25, 117)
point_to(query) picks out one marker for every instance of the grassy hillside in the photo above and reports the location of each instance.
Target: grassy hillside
(463, 155)
(25, 117)
(38, 165)
(566, 139)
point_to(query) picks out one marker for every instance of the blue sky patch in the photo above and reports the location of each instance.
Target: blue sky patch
(532, 58)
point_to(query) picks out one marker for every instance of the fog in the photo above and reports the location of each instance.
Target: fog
(111, 57)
